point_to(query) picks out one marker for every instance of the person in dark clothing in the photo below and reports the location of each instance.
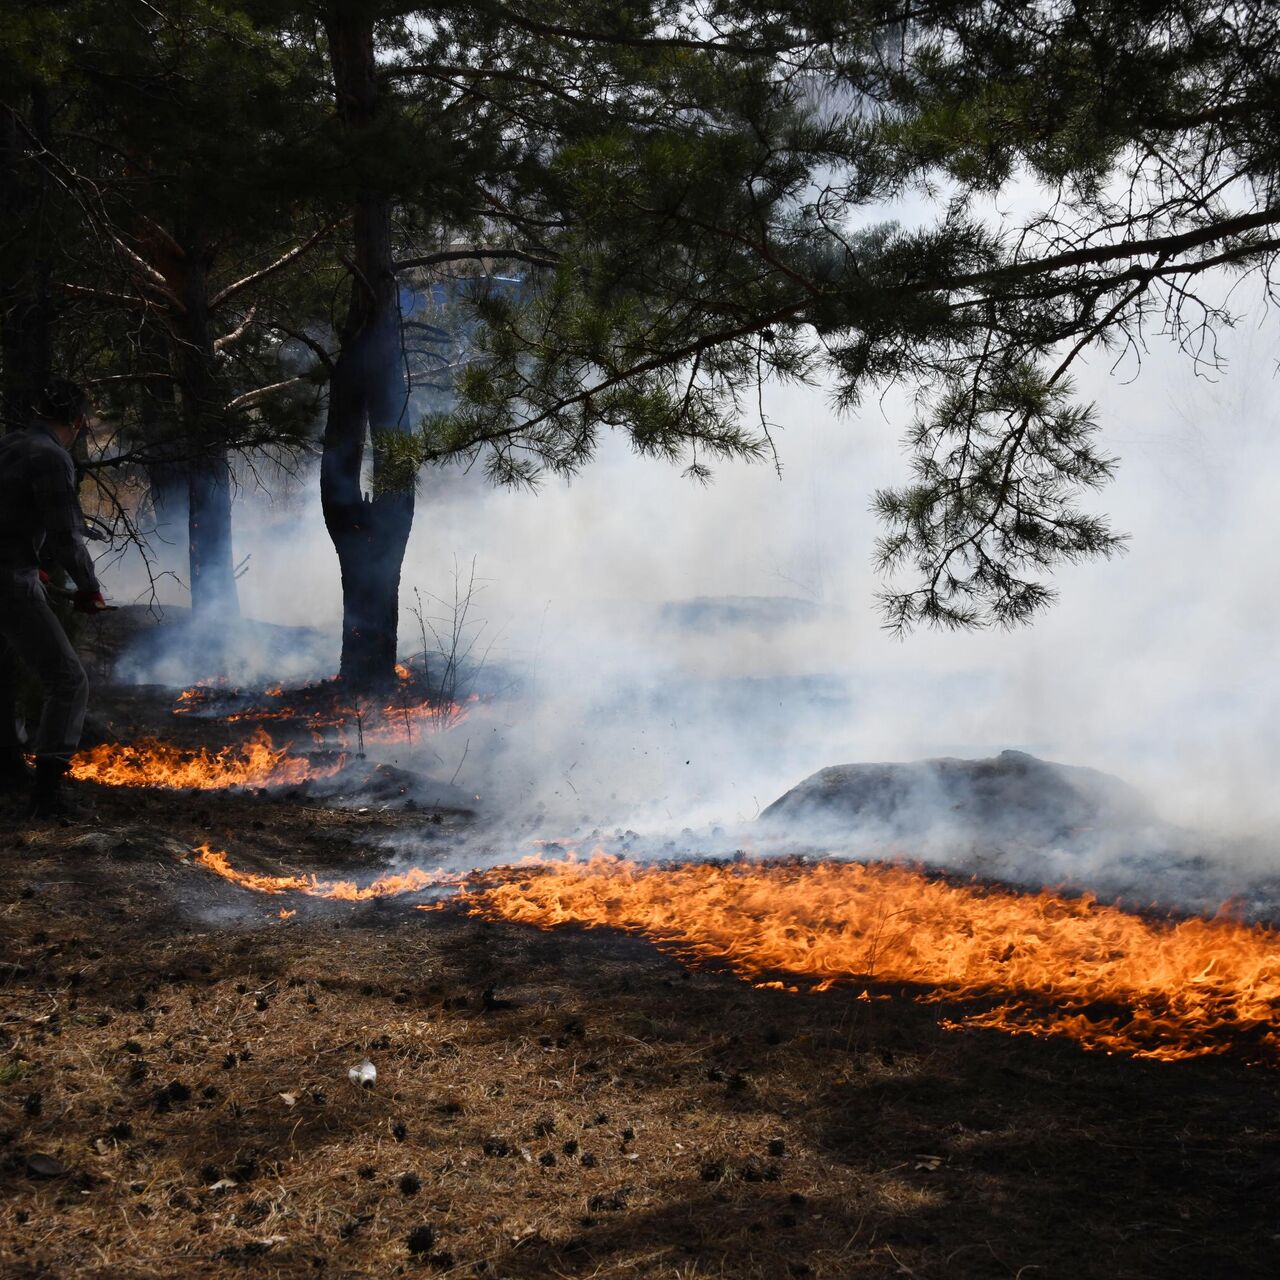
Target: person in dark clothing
(41, 522)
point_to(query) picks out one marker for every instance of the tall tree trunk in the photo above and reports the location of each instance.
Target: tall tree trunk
(167, 481)
(367, 390)
(213, 579)
(26, 312)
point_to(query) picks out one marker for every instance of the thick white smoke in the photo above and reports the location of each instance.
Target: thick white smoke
(658, 687)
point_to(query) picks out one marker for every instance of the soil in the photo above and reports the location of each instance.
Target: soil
(175, 1100)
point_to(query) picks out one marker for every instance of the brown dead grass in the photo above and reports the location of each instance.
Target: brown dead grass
(622, 1117)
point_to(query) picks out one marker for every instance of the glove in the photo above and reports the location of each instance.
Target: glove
(89, 602)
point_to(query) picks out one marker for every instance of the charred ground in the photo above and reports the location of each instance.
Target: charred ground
(548, 1104)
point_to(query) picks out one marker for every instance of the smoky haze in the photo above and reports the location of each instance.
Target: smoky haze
(677, 656)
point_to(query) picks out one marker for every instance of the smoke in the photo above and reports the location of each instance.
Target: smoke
(676, 656)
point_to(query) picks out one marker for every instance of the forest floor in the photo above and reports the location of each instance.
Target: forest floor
(174, 1096)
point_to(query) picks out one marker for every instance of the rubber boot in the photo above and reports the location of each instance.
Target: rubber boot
(49, 798)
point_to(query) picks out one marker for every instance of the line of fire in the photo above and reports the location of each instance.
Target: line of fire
(639, 641)
(1185, 987)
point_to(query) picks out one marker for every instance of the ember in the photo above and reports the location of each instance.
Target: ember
(150, 762)
(1044, 964)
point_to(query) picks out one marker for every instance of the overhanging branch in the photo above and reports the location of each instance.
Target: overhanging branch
(475, 255)
(255, 277)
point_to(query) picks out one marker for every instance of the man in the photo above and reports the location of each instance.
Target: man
(41, 521)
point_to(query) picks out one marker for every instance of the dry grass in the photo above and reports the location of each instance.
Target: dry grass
(606, 1113)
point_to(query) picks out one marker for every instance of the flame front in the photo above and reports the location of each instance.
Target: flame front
(1044, 964)
(150, 762)
(1052, 963)
(411, 881)
(327, 711)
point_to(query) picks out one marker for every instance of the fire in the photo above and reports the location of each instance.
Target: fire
(400, 723)
(1040, 964)
(1185, 988)
(193, 700)
(150, 762)
(411, 881)
(325, 709)
(1053, 965)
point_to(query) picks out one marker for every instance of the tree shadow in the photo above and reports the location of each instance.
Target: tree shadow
(903, 1148)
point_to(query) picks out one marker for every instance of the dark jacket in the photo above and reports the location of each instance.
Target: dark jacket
(40, 516)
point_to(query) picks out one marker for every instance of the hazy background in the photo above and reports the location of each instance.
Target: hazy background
(1159, 666)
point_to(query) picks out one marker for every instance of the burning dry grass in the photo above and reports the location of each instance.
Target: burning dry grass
(151, 762)
(566, 1103)
(312, 886)
(1054, 966)
(1184, 989)
(327, 710)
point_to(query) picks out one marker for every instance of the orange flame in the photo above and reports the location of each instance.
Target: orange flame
(150, 762)
(1187, 988)
(312, 886)
(395, 723)
(321, 709)
(1054, 965)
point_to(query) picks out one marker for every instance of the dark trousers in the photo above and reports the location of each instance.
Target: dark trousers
(10, 743)
(33, 632)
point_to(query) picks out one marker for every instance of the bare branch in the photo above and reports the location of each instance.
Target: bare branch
(230, 339)
(475, 255)
(251, 398)
(255, 277)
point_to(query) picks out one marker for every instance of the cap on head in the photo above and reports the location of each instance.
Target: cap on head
(63, 402)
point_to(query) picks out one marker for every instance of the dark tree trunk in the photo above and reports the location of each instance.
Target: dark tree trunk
(367, 391)
(26, 312)
(167, 480)
(213, 579)
(169, 495)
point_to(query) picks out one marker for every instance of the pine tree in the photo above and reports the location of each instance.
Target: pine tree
(684, 200)
(686, 255)
(623, 172)
(167, 150)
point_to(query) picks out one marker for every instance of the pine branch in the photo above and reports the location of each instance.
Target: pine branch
(475, 255)
(223, 296)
